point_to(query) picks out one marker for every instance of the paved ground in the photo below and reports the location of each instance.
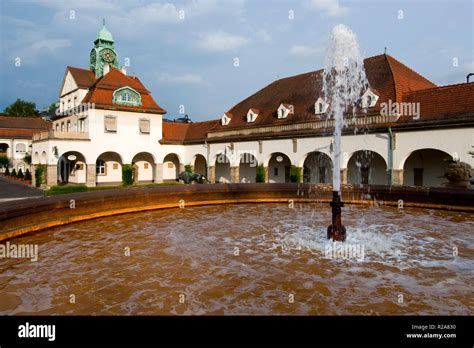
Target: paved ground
(12, 190)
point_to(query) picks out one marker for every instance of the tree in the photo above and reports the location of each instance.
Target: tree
(28, 175)
(20, 174)
(21, 108)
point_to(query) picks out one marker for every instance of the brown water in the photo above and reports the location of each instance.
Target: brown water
(247, 259)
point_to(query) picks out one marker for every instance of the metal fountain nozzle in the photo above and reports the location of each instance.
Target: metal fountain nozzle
(336, 231)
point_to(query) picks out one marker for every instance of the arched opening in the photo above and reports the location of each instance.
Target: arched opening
(43, 158)
(72, 168)
(143, 165)
(425, 167)
(36, 158)
(279, 168)
(222, 169)
(108, 169)
(367, 167)
(248, 168)
(4, 149)
(200, 165)
(171, 167)
(317, 168)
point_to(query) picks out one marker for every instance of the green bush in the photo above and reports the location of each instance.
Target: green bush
(127, 174)
(28, 174)
(260, 177)
(7, 172)
(60, 190)
(39, 172)
(295, 174)
(188, 168)
(14, 174)
(27, 158)
(20, 174)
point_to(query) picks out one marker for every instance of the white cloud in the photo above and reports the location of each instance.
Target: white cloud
(188, 79)
(329, 7)
(303, 51)
(221, 41)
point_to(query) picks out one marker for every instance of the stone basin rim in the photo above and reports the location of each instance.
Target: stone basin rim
(18, 218)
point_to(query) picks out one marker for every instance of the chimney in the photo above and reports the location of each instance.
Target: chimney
(106, 69)
(124, 71)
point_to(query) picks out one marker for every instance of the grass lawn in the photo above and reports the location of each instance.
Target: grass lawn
(63, 189)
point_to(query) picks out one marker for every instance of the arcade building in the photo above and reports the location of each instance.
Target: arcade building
(107, 119)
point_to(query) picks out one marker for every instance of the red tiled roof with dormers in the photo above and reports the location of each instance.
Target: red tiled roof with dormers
(388, 78)
(101, 93)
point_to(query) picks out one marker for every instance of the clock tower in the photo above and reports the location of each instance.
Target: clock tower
(103, 52)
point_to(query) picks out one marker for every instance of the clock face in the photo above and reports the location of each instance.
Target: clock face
(108, 56)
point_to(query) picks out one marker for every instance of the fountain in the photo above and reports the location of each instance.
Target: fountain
(344, 82)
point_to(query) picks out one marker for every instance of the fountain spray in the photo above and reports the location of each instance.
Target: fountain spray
(344, 82)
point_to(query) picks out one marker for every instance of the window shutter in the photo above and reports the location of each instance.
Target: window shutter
(110, 124)
(144, 126)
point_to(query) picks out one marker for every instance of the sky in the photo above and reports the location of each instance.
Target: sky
(201, 57)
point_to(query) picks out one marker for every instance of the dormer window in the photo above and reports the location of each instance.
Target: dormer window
(369, 99)
(284, 110)
(226, 119)
(320, 107)
(252, 115)
(127, 96)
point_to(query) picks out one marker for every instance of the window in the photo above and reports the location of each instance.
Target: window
(20, 148)
(62, 126)
(57, 127)
(276, 171)
(145, 166)
(82, 125)
(144, 126)
(100, 167)
(75, 101)
(225, 120)
(68, 126)
(320, 106)
(127, 96)
(369, 99)
(110, 124)
(252, 115)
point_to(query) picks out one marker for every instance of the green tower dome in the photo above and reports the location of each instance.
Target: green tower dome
(104, 34)
(103, 52)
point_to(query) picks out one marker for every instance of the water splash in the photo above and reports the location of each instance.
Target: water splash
(344, 82)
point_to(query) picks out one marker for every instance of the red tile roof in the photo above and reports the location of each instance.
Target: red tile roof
(84, 78)
(101, 93)
(21, 127)
(387, 77)
(444, 102)
(175, 132)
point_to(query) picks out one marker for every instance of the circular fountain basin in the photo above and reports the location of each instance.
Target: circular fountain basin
(248, 259)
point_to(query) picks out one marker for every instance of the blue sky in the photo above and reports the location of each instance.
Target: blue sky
(190, 61)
